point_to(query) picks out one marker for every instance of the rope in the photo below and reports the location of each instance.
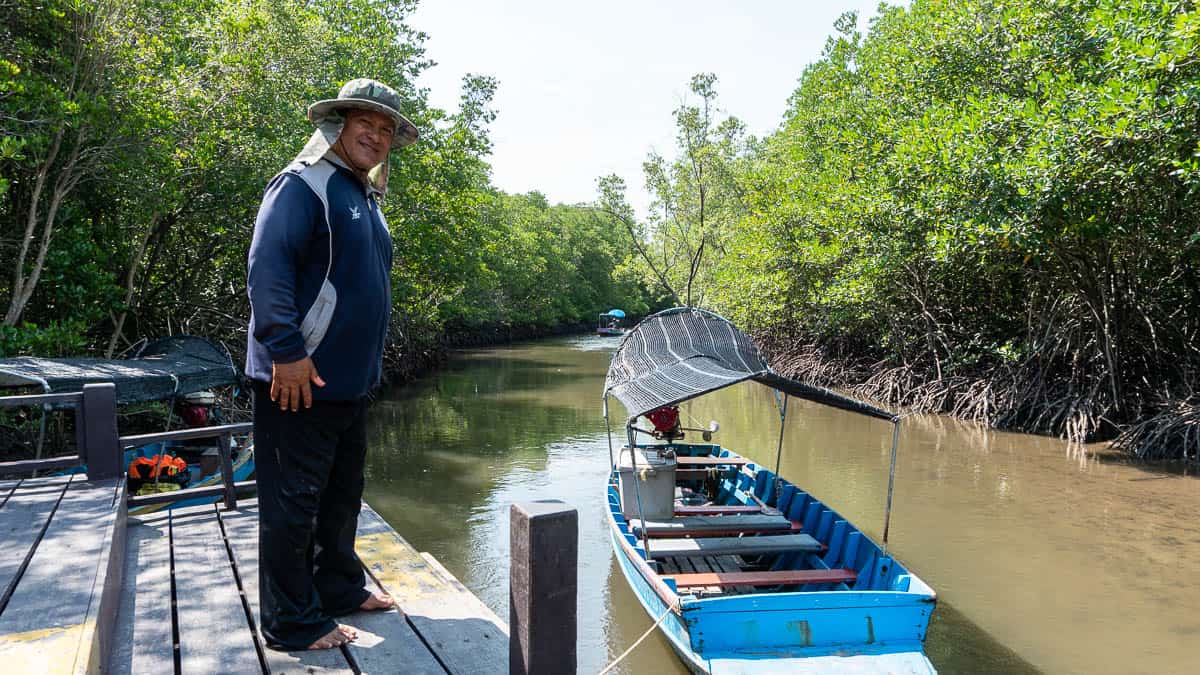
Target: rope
(635, 644)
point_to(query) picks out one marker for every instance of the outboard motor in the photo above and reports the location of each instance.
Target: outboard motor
(196, 408)
(666, 423)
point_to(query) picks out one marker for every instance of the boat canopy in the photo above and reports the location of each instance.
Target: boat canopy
(685, 352)
(620, 314)
(168, 367)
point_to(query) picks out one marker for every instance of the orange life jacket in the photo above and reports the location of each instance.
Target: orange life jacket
(159, 465)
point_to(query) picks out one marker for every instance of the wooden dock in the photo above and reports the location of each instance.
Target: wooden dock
(88, 589)
(60, 570)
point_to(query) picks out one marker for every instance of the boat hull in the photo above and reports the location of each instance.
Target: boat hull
(877, 630)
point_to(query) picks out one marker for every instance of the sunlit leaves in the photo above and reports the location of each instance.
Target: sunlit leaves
(943, 186)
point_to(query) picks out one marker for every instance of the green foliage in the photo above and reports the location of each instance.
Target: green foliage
(546, 265)
(56, 339)
(979, 187)
(177, 113)
(697, 197)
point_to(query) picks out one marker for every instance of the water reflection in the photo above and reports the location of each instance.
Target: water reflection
(1045, 556)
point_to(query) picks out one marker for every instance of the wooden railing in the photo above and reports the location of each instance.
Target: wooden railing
(102, 450)
(95, 430)
(228, 487)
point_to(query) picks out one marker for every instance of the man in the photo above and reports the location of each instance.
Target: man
(318, 281)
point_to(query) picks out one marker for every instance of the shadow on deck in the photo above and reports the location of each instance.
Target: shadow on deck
(87, 589)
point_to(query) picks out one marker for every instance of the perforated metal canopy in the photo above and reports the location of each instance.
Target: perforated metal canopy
(162, 369)
(685, 352)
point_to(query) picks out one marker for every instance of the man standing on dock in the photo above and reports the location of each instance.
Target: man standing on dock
(320, 295)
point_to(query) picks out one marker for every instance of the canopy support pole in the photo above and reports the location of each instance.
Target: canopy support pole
(637, 488)
(612, 464)
(887, 514)
(171, 408)
(779, 449)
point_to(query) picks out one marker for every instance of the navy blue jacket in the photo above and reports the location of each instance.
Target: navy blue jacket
(311, 295)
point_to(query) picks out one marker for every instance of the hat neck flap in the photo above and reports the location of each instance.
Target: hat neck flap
(321, 143)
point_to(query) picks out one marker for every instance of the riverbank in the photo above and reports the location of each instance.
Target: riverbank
(1021, 397)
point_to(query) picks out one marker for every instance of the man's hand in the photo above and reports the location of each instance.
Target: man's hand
(290, 383)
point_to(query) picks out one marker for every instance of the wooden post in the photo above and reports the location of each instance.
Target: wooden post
(223, 448)
(96, 419)
(543, 579)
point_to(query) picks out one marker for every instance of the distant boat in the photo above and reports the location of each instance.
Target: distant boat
(609, 323)
(744, 571)
(179, 370)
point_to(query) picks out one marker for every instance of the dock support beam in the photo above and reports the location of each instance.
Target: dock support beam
(96, 431)
(543, 582)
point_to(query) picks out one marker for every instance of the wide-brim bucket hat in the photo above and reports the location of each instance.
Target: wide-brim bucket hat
(367, 94)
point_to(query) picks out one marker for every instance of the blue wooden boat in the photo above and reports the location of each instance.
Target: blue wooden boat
(609, 323)
(178, 370)
(743, 571)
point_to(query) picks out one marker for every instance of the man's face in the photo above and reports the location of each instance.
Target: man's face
(366, 138)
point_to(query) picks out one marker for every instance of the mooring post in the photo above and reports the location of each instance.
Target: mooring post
(96, 432)
(543, 580)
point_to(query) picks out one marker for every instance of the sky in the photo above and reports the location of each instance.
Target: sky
(588, 88)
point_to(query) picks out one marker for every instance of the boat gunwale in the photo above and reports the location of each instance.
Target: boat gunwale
(662, 590)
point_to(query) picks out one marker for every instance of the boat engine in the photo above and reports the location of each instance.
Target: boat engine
(666, 423)
(196, 408)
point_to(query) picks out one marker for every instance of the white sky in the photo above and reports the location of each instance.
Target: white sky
(588, 88)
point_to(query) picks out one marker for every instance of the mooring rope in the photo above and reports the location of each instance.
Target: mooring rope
(635, 644)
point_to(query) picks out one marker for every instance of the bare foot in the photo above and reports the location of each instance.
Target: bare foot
(335, 638)
(376, 601)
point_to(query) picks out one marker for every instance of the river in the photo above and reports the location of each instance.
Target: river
(1046, 557)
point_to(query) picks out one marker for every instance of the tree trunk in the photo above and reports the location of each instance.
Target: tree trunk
(130, 277)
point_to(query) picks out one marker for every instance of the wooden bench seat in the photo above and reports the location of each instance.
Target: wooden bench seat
(686, 473)
(713, 526)
(701, 462)
(761, 545)
(772, 578)
(714, 510)
(794, 528)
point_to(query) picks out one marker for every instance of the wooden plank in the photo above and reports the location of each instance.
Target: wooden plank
(696, 473)
(22, 521)
(386, 639)
(700, 565)
(215, 635)
(792, 527)
(717, 522)
(186, 434)
(698, 525)
(776, 578)
(714, 510)
(698, 462)
(784, 543)
(101, 616)
(7, 487)
(729, 563)
(47, 464)
(466, 635)
(241, 530)
(144, 642)
(45, 627)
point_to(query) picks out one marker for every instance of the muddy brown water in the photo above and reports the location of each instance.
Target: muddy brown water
(1046, 557)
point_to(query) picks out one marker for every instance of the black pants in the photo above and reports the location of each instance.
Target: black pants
(309, 466)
